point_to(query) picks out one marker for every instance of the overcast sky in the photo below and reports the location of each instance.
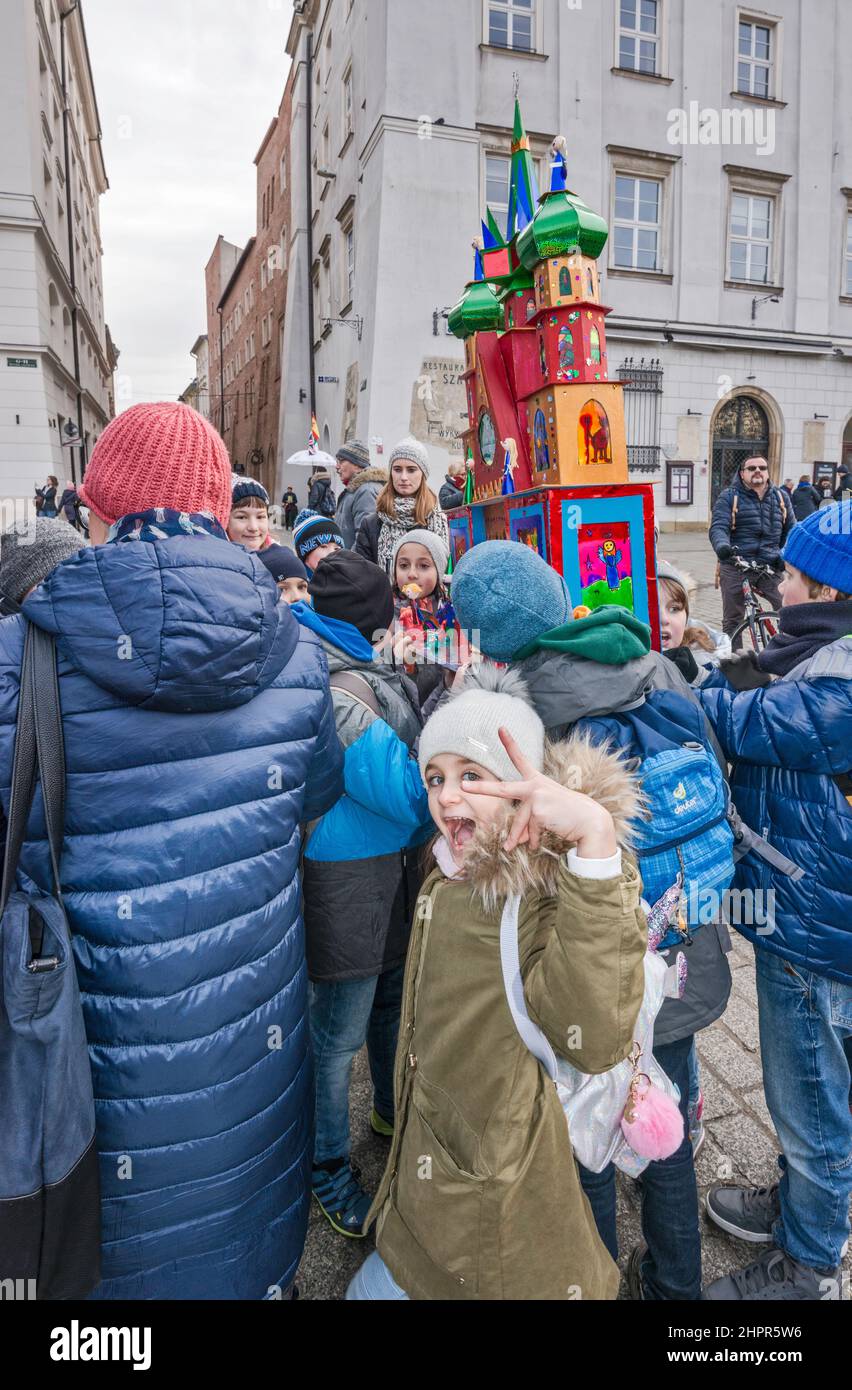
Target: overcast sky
(186, 91)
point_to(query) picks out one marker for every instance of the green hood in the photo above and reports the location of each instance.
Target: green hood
(611, 636)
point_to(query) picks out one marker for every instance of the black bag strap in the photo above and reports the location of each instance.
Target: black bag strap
(38, 745)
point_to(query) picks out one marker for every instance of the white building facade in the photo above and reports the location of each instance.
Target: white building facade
(716, 141)
(55, 371)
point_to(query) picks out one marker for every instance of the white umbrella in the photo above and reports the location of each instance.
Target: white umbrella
(305, 459)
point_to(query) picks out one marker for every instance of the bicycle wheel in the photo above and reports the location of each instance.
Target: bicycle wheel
(757, 632)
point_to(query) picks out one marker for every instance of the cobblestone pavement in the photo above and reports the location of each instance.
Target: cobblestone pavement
(740, 1144)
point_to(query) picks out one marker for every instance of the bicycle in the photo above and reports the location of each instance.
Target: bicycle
(760, 624)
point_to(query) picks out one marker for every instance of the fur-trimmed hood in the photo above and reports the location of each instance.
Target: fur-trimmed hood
(367, 475)
(581, 766)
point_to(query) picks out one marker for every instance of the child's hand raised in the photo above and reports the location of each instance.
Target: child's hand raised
(545, 805)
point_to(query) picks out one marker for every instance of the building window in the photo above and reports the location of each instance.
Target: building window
(511, 24)
(282, 174)
(347, 104)
(498, 170)
(643, 394)
(262, 276)
(326, 148)
(848, 276)
(348, 264)
(637, 223)
(639, 35)
(679, 484)
(754, 59)
(253, 348)
(750, 240)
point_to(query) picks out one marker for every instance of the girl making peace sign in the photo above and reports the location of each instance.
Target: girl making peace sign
(481, 1198)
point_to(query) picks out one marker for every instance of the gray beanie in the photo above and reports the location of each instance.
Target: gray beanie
(430, 541)
(469, 724)
(31, 550)
(356, 452)
(412, 451)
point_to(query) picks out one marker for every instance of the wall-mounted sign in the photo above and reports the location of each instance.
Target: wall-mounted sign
(438, 404)
(21, 361)
(329, 380)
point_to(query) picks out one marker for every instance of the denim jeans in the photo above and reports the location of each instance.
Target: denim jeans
(374, 1283)
(345, 1014)
(671, 1270)
(804, 1021)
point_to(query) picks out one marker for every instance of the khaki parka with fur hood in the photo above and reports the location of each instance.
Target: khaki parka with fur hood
(481, 1198)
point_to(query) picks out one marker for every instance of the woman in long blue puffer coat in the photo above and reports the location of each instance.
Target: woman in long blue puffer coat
(198, 735)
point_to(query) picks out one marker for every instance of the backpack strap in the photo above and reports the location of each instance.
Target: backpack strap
(510, 960)
(359, 689)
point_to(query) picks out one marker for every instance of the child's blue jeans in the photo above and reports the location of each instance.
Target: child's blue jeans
(345, 1014)
(374, 1283)
(804, 1021)
(671, 1270)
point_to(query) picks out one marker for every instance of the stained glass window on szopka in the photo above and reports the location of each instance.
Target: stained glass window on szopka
(594, 441)
(595, 341)
(487, 438)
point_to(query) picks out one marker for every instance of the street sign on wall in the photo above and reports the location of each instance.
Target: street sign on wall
(21, 361)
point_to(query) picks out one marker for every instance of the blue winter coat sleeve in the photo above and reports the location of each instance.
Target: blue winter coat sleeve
(324, 782)
(803, 726)
(720, 524)
(382, 776)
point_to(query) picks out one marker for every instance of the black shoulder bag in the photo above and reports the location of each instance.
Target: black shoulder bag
(50, 1231)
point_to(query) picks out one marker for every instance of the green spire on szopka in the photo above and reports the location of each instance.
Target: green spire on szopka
(523, 187)
(478, 311)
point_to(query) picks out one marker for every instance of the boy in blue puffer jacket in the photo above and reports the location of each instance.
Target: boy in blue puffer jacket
(599, 675)
(361, 875)
(784, 719)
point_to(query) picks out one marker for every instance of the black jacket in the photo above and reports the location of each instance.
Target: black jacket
(450, 497)
(806, 501)
(317, 495)
(757, 528)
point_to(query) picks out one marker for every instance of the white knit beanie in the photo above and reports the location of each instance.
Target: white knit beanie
(469, 724)
(412, 451)
(430, 541)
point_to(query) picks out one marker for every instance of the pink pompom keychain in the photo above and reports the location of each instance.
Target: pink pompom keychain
(652, 1124)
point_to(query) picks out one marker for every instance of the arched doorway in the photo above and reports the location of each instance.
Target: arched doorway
(741, 430)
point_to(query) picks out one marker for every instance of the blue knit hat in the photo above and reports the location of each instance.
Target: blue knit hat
(313, 531)
(821, 546)
(243, 488)
(510, 595)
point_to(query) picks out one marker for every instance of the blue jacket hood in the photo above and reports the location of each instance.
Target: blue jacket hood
(185, 624)
(335, 631)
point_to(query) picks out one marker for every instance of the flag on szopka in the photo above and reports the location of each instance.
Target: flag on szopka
(313, 442)
(523, 191)
(468, 482)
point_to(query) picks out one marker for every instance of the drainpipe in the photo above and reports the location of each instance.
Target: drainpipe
(221, 374)
(71, 262)
(310, 207)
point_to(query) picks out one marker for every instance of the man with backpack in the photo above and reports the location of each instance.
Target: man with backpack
(598, 676)
(751, 519)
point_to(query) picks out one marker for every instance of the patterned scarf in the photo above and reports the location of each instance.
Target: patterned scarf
(393, 528)
(161, 523)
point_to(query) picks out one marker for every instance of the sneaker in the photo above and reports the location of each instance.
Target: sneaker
(747, 1212)
(341, 1198)
(633, 1273)
(776, 1277)
(379, 1125)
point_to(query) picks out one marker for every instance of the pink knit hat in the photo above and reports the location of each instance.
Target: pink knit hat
(158, 456)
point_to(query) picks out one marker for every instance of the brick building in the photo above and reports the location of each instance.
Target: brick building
(246, 292)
